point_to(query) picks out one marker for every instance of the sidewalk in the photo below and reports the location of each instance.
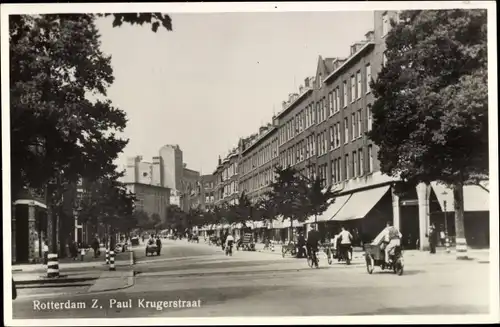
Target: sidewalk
(121, 259)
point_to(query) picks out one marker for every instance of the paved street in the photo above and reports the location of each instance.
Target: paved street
(264, 284)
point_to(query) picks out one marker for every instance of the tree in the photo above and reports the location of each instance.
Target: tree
(430, 116)
(319, 199)
(174, 217)
(107, 202)
(62, 126)
(241, 212)
(289, 194)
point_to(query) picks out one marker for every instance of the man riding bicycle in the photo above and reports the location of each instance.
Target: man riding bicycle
(313, 239)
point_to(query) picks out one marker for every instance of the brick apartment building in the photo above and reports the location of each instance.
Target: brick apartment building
(321, 131)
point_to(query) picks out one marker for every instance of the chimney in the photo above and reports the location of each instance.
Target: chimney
(370, 36)
(220, 161)
(301, 89)
(275, 121)
(353, 49)
(284, 104)
(262, 130)
(290, 97)
(306, 82)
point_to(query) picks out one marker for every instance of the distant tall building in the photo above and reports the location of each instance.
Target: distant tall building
(172, 166)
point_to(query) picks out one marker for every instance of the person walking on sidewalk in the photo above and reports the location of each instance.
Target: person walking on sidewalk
(433, 238)
(45, 252)
(95, 247)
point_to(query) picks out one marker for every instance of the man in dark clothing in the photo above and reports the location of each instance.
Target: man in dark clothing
(313, 238)
(95, 247)
(301, 242)
(433, 239)
(158, 244)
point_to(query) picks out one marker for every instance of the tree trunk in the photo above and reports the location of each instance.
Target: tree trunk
(460, 241)
(291, 229)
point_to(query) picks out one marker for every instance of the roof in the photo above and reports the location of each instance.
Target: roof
(270, 131)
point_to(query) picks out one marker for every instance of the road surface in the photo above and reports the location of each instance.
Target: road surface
(265, 284)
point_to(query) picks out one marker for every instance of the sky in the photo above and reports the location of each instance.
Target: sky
(216, 77)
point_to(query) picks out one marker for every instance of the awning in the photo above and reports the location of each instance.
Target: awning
(332, 209)
(475, 197)
(30, 202)
(287, 224)
(259, 224)
(276, 223)
(360, 203)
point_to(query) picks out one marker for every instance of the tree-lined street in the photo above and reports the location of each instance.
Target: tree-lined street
(264, 284)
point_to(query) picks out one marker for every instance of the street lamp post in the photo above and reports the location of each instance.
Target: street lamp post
(445, 218)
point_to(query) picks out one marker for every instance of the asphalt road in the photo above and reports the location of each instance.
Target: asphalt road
(265, 284)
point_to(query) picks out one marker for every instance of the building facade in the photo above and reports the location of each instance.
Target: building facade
(227, 179)
(207, 191)
(321, 131)
(151, 199)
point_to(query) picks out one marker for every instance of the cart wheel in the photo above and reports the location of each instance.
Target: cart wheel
(369, 264)
(310, 262)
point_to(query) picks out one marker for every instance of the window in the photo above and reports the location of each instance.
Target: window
(318, 111)
(333, 170)
(346, 130)
(345, 94)
(346, 166)
(369, 114)
(353, 88)
(353, 126)
(354, 164)
(332, 137)
(360, 123)
(361, 162)
(368, 74)
(325, 141)
(325, 108)
(330, 103)
(337, 99)
(337, 141)
(385, 24)
(358, 78)
(313, 115)
(370, 159)
(320, 80)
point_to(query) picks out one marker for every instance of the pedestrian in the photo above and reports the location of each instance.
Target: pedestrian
(442, 236)
(433, 238)
(45, 252)
(73, 250)
(95, 247)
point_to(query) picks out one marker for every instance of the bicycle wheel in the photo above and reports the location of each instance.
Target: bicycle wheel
(310, 262)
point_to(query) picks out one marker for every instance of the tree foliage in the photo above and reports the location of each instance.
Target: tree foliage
(431, 108)
(319, 198)
(240, 212)
(289, 194)
(106, 201)
(175, 217)
(154, 19)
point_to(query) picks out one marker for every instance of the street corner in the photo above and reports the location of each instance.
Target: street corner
(113, 280)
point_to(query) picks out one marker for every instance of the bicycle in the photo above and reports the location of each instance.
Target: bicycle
(312, 258)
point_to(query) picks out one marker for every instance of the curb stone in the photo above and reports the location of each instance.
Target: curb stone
(129, 275)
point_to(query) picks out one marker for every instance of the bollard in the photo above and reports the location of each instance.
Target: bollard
(52, 266)
(112, 260)
(447, 245)
(82, 253)
(107, 256)
(461, 245)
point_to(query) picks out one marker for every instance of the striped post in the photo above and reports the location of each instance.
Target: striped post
(52, 266)
(447, 244)
(112, 260)
(461, 248)
(107, 256)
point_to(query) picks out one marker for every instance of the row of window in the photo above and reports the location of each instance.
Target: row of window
(263, 156)
(209, 198)
(260, 180)
(229, 171)
(230, 189)
(326, 107)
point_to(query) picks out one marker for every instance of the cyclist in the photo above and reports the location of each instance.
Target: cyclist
(313, 239)
(345, 243)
